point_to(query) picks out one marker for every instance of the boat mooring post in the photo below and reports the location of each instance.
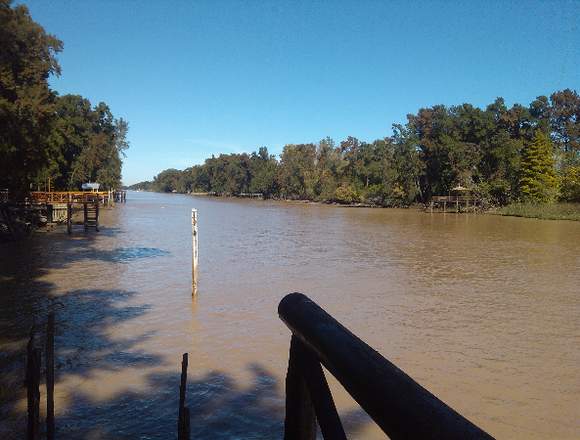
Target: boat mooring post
(195, 254)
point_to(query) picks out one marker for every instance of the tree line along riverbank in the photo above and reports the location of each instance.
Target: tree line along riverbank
(525, 156)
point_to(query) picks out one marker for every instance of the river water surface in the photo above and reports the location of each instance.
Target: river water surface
(481, 310)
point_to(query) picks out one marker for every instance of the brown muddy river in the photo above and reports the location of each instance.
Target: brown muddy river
(481, 310)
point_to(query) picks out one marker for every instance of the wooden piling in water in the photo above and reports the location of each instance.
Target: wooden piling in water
(69, 218)
(183, 416)
(194, 250)
(50, 377)
(33, 389)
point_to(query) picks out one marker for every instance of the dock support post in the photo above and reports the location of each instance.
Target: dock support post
(69, 218)
(85, 207)
(50, 377)
(195, 254)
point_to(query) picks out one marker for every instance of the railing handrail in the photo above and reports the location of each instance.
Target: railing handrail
(398, 404)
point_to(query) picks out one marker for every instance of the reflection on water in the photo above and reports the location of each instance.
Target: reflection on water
(481, 310)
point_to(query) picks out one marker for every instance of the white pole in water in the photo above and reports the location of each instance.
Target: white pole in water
(195, 253)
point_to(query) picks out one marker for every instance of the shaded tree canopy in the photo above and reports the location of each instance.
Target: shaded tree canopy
(42, 135)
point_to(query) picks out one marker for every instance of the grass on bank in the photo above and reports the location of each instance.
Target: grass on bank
(552, 211)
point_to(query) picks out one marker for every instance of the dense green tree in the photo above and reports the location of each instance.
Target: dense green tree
(570, 185)
(538, 181)
(330, 165)
(167, 180)
(565, 122)
(264, 171)
(43, 136)
(408, 164)
(298, 177)
(88, 142)
(27, 59)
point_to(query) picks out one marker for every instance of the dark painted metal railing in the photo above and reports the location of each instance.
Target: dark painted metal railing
(401, 407)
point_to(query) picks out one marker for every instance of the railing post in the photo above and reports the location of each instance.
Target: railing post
(320, 395)
(300, 420)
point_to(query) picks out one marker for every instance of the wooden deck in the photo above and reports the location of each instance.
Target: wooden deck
(454, 204)
(71, 196)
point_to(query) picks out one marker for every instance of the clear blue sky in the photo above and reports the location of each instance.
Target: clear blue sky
(201, 78)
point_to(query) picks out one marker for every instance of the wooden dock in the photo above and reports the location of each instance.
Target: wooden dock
(106, 198)
(454, 204)
(48, 207)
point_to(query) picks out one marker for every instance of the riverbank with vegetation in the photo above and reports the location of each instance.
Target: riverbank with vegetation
(554, 211)
(501, 155)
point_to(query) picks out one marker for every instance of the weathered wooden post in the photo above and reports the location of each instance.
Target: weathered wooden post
(195, 254)
(33, 389)
(50, 213)
(50, 377)
(97, 215)
(183, 417)
(69, 218)
(86, 219)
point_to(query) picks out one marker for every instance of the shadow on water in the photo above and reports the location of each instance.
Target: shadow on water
(83, 343)
(220, 407)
